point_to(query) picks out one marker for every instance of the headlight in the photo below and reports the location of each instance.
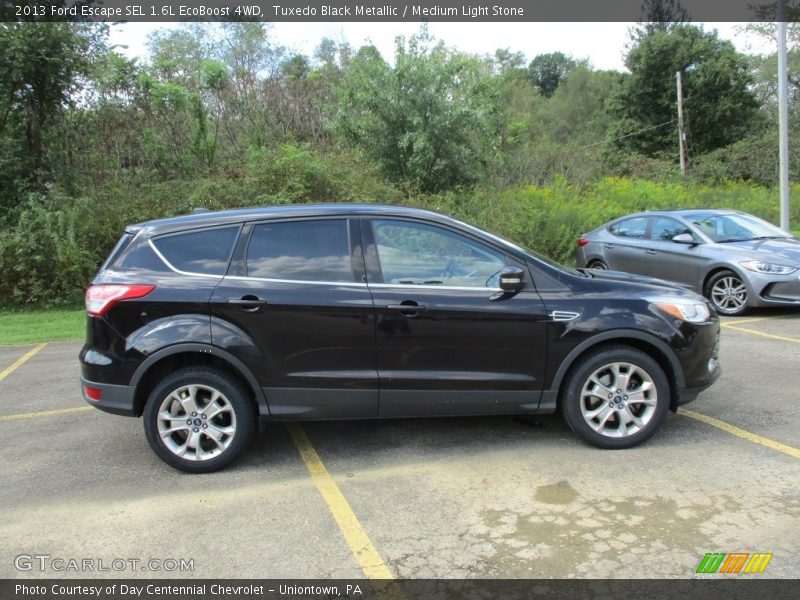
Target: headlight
(771, 268)
(693, 311)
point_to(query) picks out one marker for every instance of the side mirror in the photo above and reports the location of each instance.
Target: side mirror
(511, 279)
(684, 238)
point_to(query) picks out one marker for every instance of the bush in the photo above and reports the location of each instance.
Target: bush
(49, 256)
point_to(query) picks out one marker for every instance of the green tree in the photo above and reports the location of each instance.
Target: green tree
(719, 106)
(547, 71)
(426, 121)
(42, 68)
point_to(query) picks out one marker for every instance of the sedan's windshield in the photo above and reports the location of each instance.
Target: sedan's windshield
(736, 227)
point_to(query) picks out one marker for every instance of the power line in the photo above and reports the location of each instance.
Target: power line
(622, 137)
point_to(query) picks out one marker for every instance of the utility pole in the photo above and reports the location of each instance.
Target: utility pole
(681, 132)
(783, 116)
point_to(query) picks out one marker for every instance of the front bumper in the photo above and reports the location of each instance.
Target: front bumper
(701, 367)
(773, 290)
(114, 399)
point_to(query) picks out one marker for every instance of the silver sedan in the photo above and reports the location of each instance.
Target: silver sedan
(734, 259)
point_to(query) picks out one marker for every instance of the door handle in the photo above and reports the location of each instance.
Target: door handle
(408, 308)
(651, 251)
(248, 303)
(609, 245)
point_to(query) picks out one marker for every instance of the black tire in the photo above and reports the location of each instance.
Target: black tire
(597, 264)
(615, 431)
(229, 419)
(733, 305)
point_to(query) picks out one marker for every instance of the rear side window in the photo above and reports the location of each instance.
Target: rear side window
(308, 250)
(634, 228)
(205, 252)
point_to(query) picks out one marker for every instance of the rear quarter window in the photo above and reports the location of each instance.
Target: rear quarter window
(206, 252)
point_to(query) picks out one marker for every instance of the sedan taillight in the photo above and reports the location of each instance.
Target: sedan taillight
(100, 298)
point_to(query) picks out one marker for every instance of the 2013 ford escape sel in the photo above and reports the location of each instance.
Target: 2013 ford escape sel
(206, 323)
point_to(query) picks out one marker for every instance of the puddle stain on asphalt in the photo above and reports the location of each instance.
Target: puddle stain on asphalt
(557, 493)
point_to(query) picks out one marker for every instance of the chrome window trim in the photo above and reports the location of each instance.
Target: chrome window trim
(172, 268)
(411, 286)
(303, 281)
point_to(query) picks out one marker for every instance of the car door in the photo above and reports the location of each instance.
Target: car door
(624, 247)
(449, 342)
(670, 260)
(296, 309)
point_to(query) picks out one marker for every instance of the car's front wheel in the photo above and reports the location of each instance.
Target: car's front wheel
(727, 293)
(615, 397)
(199, 419)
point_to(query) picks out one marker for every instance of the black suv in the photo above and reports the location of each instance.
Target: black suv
(208, 322)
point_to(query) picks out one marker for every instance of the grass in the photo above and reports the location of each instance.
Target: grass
(33, 326)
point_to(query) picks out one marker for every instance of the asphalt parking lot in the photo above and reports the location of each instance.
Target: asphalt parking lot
(440, 498)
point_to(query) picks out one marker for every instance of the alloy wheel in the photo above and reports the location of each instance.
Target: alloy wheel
(729, 294)
(618, 400)
(196, 422)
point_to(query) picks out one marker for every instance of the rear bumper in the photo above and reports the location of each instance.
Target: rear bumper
(114, 399)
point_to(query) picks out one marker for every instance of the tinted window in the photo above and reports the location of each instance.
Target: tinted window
(140, 255)
(665, 229)
(635, 227)
(417, 254)
(313, 250)
(204, 251)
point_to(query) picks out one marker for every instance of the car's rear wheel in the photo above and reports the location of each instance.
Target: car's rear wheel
(597, 264)
(199, 419)
(615, 397)
(727, 293)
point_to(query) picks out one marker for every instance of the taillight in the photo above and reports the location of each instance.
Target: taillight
(100, 298)
(582, 241)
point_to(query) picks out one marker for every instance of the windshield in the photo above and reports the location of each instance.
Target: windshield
(524, 249)
(736, 227)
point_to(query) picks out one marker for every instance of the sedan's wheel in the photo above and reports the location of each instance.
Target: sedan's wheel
(597, 264)
(198, 419)
(615, 397)
(727, 293)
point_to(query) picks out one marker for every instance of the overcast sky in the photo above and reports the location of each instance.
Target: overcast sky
(603, 44)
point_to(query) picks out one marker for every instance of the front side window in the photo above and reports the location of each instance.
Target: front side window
(634, 228)
(308, 250)
(664, 229)
(419, 254)
(205, 251)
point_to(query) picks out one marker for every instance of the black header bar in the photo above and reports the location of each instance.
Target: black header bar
(379, 10)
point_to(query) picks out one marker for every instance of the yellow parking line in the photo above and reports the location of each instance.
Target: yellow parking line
(751, 437)
(21, 360)
(43, 413)
(735, 322)
(360, 545)
(783, 338)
